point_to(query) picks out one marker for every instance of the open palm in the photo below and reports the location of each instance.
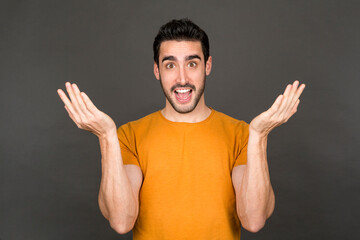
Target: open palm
(282, 109)
(84, 113)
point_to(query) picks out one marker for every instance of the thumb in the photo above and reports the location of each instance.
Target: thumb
(276, 104)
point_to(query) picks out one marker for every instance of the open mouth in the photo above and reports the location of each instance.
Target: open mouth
(183, 95)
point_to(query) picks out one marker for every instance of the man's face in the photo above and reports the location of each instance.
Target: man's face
(182, 73)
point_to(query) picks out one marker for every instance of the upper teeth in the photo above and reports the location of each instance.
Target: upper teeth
(182, 90)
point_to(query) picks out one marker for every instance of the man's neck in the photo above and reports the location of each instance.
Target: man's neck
(200, 113)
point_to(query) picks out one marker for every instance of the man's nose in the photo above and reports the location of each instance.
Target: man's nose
(182, 79)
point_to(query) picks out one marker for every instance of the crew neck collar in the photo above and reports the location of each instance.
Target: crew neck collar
(188, 123)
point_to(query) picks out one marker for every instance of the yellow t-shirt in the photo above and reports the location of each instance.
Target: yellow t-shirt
(187, 191)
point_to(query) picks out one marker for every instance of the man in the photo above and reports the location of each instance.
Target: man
(186, 171)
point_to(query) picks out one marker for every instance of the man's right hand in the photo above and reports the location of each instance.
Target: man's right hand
(84, 113)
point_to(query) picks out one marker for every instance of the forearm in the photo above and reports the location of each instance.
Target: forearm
(117, 201)
(256, 201)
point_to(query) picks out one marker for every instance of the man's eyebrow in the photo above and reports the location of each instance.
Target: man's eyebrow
(192, 57)
(172, 58)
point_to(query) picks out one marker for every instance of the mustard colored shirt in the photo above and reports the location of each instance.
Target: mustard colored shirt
(187, 191)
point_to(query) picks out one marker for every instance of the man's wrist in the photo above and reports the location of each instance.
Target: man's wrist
(109, 135)
(257, 135)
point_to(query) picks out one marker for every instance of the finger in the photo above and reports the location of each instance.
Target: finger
(299, 91)
(72, 116)
(293, 110)
(296, 97)
(287, 90)
(285, 98)
(80, 100)
(78, 110)
(290, 96)
(293, 90)
(287, 103)
(290, 89)
(89, 104)
(276, 104)
(74, 101)
(296, 106)
(65, 100)
(296, 84)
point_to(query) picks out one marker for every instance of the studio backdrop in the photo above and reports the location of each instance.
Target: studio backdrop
(50, 170)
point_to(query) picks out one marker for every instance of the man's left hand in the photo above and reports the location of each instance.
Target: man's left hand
(283, 108)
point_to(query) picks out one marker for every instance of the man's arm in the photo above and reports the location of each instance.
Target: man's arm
(119, 191)
(255, 199)
(118, 195)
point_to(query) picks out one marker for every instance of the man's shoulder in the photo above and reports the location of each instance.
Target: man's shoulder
(226, 119)
(232, 125)
(141, 122)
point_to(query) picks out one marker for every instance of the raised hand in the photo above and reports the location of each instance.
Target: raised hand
(283, 108)
(84, 113)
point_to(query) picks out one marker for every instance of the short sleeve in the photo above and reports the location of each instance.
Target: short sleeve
(126, 138)
(242, 139)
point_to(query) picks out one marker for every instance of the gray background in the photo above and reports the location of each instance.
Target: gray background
(50, 170)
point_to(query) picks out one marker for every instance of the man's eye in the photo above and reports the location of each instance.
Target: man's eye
(192, 64)
(170, 65)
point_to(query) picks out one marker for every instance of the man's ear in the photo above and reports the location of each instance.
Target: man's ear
(208, 66)
(156, 71)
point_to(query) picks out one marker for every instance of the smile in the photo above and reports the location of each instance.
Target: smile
(182, 90)
(183, 95)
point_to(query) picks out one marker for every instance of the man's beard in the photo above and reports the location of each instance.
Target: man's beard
(184, 109)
